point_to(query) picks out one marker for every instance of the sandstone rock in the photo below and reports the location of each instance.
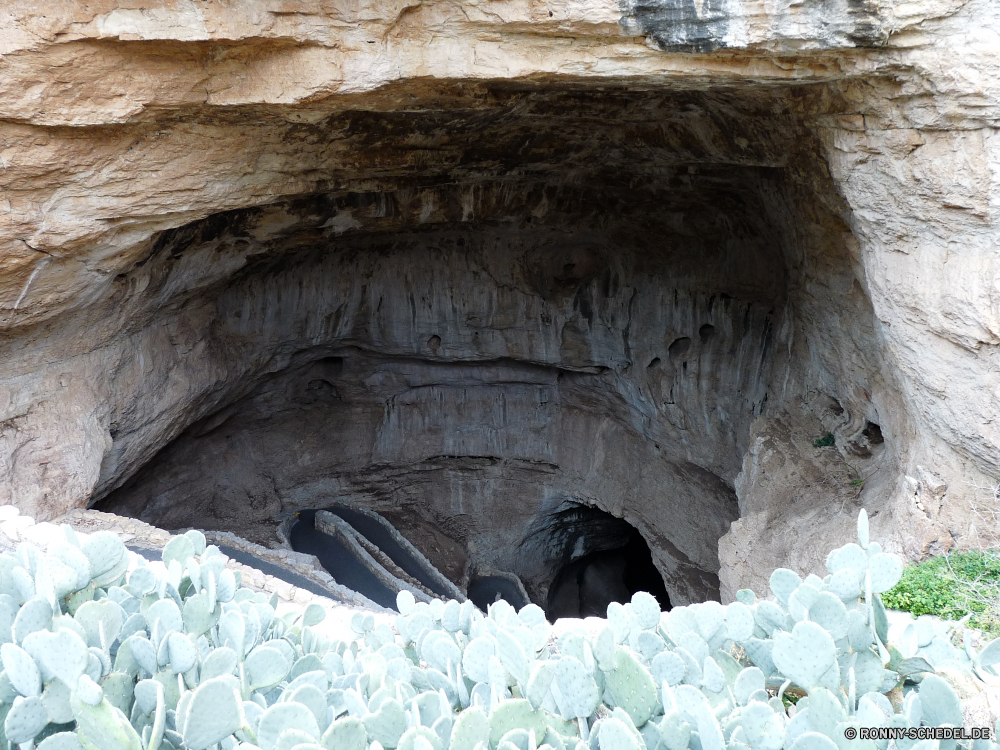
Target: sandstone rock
(474, 264)
(965, 686)
(983, 709)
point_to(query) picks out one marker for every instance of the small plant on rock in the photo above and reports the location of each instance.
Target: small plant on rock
(824, 442)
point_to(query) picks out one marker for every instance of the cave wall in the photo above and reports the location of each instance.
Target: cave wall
(482, 378)
(831, 170)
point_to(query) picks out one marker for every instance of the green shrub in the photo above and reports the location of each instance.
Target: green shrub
(824, 442)
(951, 587)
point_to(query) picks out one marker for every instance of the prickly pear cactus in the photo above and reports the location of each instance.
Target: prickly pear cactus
(102, 650)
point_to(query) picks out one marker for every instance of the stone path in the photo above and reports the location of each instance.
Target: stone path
(380, 533)
(336, 555)
(285, 567)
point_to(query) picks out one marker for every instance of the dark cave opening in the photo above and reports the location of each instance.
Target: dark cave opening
(602, 320)
(483, 590)
(618, 564)
(609, 561)
(368, 555)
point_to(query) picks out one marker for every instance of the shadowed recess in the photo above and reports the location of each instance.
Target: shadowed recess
(515, 299)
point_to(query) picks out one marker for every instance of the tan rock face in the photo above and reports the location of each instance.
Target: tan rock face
(474, 264)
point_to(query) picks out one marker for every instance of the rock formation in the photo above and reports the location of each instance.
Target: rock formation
(477, 265)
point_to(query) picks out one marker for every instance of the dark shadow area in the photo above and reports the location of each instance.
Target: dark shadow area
(586, 585)
(578, 293)
(485, 590)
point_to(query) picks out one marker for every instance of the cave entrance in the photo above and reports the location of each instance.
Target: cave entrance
(522, 293)
(618, 564)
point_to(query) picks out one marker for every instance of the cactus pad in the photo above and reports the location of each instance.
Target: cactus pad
(805, 654)
(34, 615)
(939, 703)
(266, 666)
(282, 716)
(512, 714)
(646, 610)
(346, 734)
(61, 741)
(615, 735)
(21, 670)
(471, 728)
(631, 686)
(420, 738)
(26, 718)
(577, 686)
(387, 724)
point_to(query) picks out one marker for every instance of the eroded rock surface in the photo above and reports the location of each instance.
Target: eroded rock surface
(470, 265)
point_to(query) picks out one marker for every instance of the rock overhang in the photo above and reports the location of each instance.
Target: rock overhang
(544, 294)
(237, 117)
